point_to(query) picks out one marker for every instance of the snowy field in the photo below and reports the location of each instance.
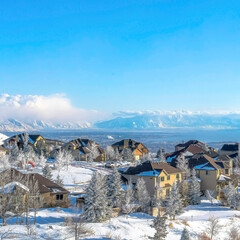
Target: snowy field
(50, 224)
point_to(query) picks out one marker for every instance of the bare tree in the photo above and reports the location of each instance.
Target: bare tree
(213, 227)
(233, 234)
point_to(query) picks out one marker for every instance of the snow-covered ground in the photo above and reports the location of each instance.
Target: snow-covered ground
(50, 224)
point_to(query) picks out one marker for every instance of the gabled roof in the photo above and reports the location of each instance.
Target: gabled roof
(203, 161)
(155, 168)
(187, 144)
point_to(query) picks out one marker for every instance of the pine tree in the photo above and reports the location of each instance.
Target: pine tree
(185, 235)
(174, 204)
(159, 224)
(96, 205)
(157, 200)
(194, 189)
(47, 172)
(161, 156)
(182, 163)
(114, 188)
(141, 193)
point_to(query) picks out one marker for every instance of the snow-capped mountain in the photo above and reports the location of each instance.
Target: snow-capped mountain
(156, 120)
(13, 125)
(2, 138)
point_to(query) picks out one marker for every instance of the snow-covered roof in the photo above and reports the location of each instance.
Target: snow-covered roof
(10, 187)
(224, 178)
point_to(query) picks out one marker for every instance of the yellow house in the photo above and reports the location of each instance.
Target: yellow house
(154, 173)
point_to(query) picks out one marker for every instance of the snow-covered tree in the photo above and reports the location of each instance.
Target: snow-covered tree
(110, 153)
(194, 189)
(127, 155)
(4, 161)
(47, 172)
(68, 158)
(141, 193)
(233, 198)
(210, 195)
(146, 157)
(213, 227)
(185, 235)
(114, 188)
(174, 205)
(182, 163)
(128, 205)
(118, 156)
(159, 224)
(14, 151)
(157, 200)
(41, 160)
(59, 180)
(94, 152)
(161, 156)
(96, 204)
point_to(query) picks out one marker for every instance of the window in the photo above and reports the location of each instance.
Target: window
(226, 171)
(178, 176)
(168, 177)
(59, 197)
(207, 173)
(162, 179)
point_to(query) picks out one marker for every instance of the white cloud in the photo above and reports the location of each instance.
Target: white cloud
(55, 108)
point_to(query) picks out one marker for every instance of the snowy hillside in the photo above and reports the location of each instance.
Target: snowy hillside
(2, 138)
(13, 125)
(156, 120)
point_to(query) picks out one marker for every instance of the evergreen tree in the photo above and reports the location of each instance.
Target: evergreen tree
(159, 224)
(161, 156)
(185, 235)
(182, 163)
(141, 193)
(96, 204)
(114, 188)
(47, 172)
(174, 204)
(194, 190)
(118, 156)
(157, 200)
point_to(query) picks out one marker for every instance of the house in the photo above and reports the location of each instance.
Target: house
(154, 173)
(230, 149)
(52, 144)
(51, 194)
(33, 140)
(215, 174)
(137, 148)
(187, 144)
(81, 148)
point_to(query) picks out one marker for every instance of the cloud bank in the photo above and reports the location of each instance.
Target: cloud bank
(55, 108)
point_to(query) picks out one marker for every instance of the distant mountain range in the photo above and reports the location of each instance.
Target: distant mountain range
(156, 120)
(133, 121)
(13, 125)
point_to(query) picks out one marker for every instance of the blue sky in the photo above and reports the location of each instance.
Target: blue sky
(123, 55)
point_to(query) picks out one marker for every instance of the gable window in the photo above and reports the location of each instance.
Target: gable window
(226, 171)
(177, 176)
(168, 177)
(59, 197)
(162, 179)
(207, 173)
